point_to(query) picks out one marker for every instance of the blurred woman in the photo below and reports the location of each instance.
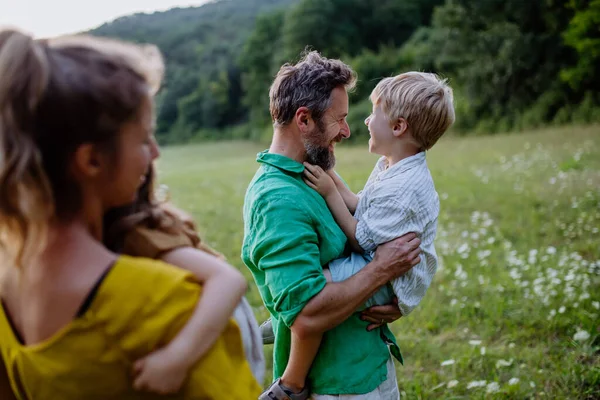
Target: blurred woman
(76, 140)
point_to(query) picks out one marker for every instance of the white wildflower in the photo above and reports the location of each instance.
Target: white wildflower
(452, 384)
(474, 342)
(492, 387)
(503, 363)
(596, 305)
(476, 384)
(447, 362)
(581, 336)
(511, 345)
(513, 381)
(562, 310)
(482, 351)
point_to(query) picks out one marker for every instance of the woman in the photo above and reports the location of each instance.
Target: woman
(75, 141)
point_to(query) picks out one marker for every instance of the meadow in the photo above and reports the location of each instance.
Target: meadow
(513, 311)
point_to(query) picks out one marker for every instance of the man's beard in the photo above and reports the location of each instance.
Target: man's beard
(316, 153)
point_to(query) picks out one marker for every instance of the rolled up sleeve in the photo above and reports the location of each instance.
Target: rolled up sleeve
(286, 249)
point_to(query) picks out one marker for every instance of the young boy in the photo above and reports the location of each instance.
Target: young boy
(411, 112)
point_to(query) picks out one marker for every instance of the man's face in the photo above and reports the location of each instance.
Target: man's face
(331, 129)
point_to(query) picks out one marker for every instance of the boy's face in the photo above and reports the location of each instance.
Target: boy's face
(381, 132)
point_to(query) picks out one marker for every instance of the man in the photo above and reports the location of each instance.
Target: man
(290, 234)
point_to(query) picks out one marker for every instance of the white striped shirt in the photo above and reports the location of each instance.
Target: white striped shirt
(396, 201)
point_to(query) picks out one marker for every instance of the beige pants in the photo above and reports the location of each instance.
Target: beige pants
(388, 390)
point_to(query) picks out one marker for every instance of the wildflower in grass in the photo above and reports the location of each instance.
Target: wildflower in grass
(476, 384)
(492, 387)
(474, 342)
(532, 384)
(596, 305)
(447, 362)
(513, 381)
(482, 351)
(503, 363)
(562, 310)
(452, 384)
(511, 345)
(581, 336)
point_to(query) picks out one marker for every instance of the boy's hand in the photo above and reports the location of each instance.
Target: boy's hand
(316, 178)
(160, 372)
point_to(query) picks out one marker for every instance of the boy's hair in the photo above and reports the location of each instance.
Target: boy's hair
(308, 83)
(424, 100)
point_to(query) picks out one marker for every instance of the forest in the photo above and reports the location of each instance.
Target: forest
(514, 65)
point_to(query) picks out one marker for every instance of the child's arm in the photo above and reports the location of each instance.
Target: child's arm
(165, 370)
(349, 197)
(322, 182)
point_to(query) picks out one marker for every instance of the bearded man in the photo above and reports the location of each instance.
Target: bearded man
(290, 235)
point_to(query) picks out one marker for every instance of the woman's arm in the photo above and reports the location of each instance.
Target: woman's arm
(223, 287)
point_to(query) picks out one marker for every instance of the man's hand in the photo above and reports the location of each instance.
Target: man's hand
(397, 257)
(381, 315)
(319, 180)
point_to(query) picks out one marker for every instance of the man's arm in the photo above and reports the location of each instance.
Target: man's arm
(338, 300)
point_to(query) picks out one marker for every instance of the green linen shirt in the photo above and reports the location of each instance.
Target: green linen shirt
(289, 234)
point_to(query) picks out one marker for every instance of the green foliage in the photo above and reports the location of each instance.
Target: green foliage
(513, 64)
(583, 34)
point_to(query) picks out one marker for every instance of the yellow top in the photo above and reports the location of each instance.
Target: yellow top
(140, 306)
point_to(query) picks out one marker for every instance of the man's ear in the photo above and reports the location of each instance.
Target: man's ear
(400, 127)
(88, 162)
(303, 119)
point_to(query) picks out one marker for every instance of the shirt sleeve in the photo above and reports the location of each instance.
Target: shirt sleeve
(286, 248)
(411, 287)
(387, 217)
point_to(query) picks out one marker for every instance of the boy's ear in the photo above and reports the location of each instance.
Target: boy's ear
(400, 127)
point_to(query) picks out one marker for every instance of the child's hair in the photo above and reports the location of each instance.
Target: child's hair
(56, 95)
(150, 213)
(424, 100)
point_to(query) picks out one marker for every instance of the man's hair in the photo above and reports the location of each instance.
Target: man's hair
(308, 83)
(424, 100)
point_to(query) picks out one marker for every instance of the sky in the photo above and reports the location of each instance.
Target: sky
(46, 18)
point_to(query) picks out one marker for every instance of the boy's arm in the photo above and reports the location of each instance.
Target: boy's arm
(345, 220)
(324, 183)
(223, 287)
(350, 199)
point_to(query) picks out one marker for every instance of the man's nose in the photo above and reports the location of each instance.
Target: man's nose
(345, 130)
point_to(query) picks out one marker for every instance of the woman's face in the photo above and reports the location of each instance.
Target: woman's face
(136, 150)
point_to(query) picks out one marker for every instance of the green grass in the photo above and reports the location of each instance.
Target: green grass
(519, 242)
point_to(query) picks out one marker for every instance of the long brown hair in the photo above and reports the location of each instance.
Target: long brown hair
(56, 95)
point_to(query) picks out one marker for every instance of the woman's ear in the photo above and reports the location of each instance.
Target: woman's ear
(400, 127)
(88, 162)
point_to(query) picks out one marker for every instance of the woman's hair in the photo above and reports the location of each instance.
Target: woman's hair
(56, 95)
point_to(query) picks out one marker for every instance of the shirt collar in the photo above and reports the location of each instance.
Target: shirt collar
(401, 166)
(281, 162)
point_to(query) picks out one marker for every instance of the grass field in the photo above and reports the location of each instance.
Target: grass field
(514, 309)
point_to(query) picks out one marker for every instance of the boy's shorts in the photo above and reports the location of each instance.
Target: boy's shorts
(343, 268)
